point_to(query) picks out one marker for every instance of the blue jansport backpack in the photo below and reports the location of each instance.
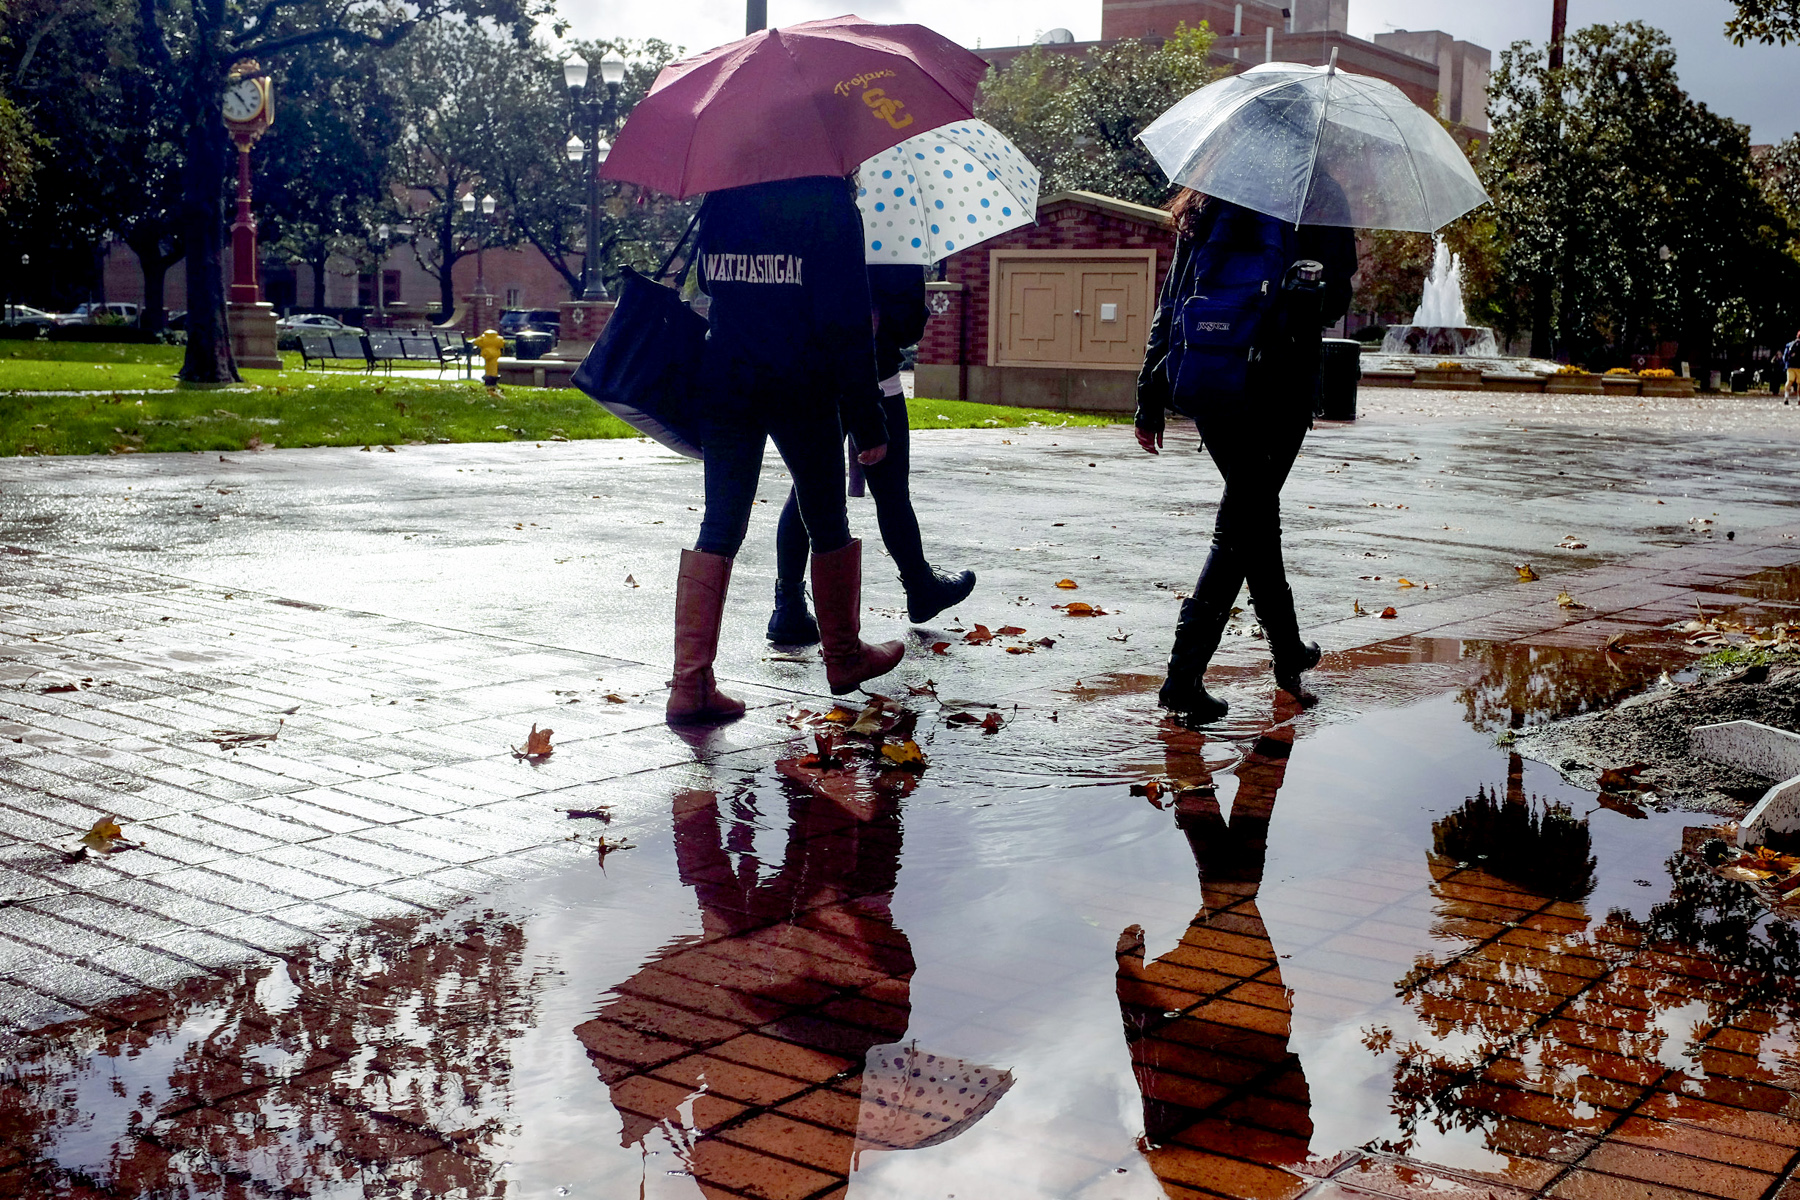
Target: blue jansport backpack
(1225, 310)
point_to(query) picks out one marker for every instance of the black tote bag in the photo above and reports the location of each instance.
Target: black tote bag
(644, 366)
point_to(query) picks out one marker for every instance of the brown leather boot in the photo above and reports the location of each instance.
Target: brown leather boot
(837, 599)
(699, 609)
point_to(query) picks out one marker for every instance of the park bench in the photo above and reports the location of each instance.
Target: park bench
(383, 348)
(452, 349)
(337, 347)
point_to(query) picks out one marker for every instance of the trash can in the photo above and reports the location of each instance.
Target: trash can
(532, 343)
(1740, 380)
(1340, 363)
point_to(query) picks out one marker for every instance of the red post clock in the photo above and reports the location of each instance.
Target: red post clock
(248, 107)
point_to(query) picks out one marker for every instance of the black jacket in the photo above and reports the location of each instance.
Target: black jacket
(789, 320)
(899, 295)
(1331, 245)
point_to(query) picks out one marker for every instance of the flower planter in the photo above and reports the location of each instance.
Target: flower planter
(1574, 385)
(1620, 385)
(1667, 387)
(1455, 381)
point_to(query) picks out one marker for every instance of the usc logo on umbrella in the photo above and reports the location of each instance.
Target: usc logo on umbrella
(887, 109)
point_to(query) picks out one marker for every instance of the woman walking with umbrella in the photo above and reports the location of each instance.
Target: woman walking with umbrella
(1277, 166)
(769, 127)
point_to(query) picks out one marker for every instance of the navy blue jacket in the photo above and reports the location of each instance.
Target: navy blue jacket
(790, 315)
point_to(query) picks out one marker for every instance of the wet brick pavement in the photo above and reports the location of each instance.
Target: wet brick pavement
(1590, 1059)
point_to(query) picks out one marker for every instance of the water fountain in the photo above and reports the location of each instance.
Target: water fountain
(1441, 325)
(1440, 337)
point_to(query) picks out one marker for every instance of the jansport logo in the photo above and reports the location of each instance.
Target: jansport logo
(1212, 326)
(754, 268)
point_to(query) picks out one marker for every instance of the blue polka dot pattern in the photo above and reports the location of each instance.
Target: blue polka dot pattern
(979, 180)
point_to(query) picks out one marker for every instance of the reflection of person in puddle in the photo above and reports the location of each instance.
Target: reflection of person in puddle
(726, 1039)
(1207, 1023)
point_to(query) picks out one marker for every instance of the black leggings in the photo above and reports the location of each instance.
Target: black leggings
(808, 437)
(1254, 454)
(893, 507)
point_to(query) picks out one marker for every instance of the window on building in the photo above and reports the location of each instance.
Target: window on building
(390, 283)
(514, 297)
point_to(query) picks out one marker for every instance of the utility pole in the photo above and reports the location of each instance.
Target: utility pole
(756, 15)
(1559, 25)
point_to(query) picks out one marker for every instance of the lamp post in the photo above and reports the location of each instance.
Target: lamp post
(595, 114)
(488, 204)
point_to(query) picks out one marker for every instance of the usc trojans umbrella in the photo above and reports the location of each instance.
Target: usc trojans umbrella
(815, 98)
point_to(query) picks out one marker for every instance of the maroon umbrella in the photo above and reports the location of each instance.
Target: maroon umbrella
(810, 99)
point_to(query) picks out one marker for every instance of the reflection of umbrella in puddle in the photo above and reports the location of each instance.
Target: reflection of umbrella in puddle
(912, 1099)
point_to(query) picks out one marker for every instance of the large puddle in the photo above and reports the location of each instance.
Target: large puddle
(1354, 945)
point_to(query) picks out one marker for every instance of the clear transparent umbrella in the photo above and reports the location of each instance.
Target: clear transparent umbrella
(1317, 146)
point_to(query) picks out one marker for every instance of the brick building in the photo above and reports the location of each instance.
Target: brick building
(1052, 315)
(1435, 70)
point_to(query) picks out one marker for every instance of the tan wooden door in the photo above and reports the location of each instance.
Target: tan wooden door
(1079, 310)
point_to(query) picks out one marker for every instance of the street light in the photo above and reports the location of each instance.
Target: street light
(487, 203)
(596, 112)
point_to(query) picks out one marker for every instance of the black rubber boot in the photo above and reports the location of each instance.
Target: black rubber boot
(929, 594)
(1196, 638)
(790, 624)
(1293, 657)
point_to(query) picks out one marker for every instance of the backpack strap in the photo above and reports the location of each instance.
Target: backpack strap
(688, 267)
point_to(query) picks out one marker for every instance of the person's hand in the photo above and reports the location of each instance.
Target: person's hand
(1151, 442)
(869, 458)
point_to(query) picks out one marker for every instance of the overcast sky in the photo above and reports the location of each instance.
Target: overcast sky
(1757, 85)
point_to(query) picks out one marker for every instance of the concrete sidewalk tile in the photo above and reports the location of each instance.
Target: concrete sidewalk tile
(344, 870)
(366, 811)
(28, 1008)
(377, 854)
(261, 871)
(416, 801)
(172, 902)
(410, 840)
(226, 890)
(200, 829)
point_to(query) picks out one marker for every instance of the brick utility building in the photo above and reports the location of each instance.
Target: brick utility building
(1052, 315)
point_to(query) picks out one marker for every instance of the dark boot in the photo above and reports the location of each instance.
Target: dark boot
(929, 593)
(1196, 638)
(790, 624)
(699, 610)
(1293, 657)
(837, 594)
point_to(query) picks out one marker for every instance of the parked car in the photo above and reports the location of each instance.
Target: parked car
(515, 321)
(24, 314)
(91, 314)
(314, 323)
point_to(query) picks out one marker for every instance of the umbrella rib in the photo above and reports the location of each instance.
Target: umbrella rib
(1318, 137)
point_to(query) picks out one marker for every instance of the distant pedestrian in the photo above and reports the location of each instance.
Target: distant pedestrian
(789, 356)
(1790, 358)
(1235, 346)
(898, 294)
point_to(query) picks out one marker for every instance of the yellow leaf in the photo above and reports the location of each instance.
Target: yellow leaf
(906, 756)
(1357, 610)
(868, 722)
(1066, 583)
(1568, 601)
(1389, 613)
(1406, 583)
(102, 836)
(839, 715)
(1526, 574)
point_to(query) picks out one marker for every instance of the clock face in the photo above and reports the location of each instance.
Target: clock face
(243, 100)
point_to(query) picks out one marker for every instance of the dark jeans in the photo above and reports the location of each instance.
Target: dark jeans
(1254, 451)
(809, 439)
(893, 507)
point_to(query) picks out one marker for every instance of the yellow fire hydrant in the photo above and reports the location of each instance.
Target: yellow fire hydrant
(490, 345)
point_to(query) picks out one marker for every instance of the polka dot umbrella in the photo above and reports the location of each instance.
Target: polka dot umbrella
(912, 1099)
(944, 191)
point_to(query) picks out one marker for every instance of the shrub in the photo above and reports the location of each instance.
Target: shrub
(1620, 371)
(1571, 369)
(102, 333)
(1657, 373)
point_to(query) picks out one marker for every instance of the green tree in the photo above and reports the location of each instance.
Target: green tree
(1079, 118)
(546, 195)
(196, 44)
(1626, 213)
(1764, 21)
(324, 169)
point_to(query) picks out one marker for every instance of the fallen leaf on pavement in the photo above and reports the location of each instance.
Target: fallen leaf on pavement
(1621, 804)
(1616, 644)
(1568, 601)
(1149, 790)
(1407, 583)
(1008, 631)
(940, 647)
(981, 635)
(928, 688)
(906, 756)
(870, 720)
(1046, 643)
(1571, 542)
(1621, 779)
(1357, 610)
(630, 582)
(589, 814)
(991, 723)
(839, 715)
(614, 698)
(105, 836)
(1079, 609)
(1020, 650)
(1067, 583)
(537, 744)
(1526, 574)
(1389, 613)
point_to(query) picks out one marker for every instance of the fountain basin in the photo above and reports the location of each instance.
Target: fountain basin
(1453, 341)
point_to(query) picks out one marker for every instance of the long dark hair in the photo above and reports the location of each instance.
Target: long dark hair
(1185, 212)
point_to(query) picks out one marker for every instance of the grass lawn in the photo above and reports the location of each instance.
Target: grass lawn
(101, 414)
